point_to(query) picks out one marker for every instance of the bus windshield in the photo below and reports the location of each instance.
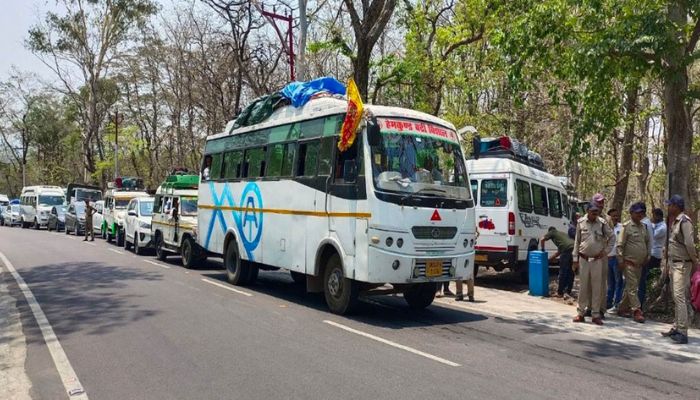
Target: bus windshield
(82, 194)
(420, 158)
(188, 205)
(121, 203)
(51, 200)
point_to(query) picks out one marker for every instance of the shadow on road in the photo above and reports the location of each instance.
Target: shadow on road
(388, 311)
(86, 296)
(623, 351)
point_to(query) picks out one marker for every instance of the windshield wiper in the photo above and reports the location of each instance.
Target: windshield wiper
(410, 195)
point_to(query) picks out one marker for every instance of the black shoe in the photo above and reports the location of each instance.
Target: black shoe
(448, 293)
(670, 333)
(471, 299)
(602, 315)
(84, 240)
(459, 297)
(680, 338)
(588, 313)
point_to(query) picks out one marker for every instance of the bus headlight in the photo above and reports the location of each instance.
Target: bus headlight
(389, 241)
(396, 264)
(399, 242)
(416, 272)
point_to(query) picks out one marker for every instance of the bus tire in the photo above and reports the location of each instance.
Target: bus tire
(127, 246)
(36, 224)
(161, 254)
(420, 295)
(342, 294)
(187, 251)
(236, 269)
(298, 278)
(109, 236)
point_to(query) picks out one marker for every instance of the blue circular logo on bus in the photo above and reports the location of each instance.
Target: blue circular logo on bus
(251, 221)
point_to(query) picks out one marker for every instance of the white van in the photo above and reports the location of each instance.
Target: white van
(516, 203)
(36, 203)
(174, 222)
(116, 199)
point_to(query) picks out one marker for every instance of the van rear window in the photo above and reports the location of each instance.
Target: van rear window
(494, 193)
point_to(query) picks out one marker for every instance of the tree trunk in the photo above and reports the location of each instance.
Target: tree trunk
(679, 133)
(361, 65)
(627, 148)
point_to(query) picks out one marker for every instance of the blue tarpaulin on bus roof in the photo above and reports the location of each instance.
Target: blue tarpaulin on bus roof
(299, 93)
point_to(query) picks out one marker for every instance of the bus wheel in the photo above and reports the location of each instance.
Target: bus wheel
(120, 237)
(420, 295)
(342, 294)
(298, 278)
(160, 247)
(36, 224)
(187, 251)
(236, 270)
(108, 235)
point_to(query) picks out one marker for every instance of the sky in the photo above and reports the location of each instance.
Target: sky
(16, 17)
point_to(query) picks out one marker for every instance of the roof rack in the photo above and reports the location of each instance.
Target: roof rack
(509, 148)
(181, 181)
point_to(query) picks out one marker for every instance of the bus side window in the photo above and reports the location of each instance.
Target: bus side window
(275, 158)
(215, 172)
(308, 159)
(475, 190)
(346, 158)
(254, 165)
(232, 164)
(326, 156)
(288, 160)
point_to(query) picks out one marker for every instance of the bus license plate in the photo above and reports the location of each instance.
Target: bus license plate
(433, 268)
(481, 257)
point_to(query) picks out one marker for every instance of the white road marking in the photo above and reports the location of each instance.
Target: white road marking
(116, 251)
(60, 359)
(393, 344)
(157, 264)
(227, 287)
(90, 244)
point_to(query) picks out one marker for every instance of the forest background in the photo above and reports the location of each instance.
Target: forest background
(607, 91)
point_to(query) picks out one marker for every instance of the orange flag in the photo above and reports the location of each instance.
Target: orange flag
(353, 116)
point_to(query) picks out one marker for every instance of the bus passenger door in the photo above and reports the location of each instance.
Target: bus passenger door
(345, 187)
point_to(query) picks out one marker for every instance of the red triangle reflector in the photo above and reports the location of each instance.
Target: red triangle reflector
(436, 216)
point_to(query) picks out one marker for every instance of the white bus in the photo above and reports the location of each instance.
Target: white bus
(394, 208)
(36, 203)
(516, 203)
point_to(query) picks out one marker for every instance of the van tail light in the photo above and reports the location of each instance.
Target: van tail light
(511, 223)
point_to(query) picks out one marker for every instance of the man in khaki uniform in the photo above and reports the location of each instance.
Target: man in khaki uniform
(594, 241)
(682, 257)
(632, 254)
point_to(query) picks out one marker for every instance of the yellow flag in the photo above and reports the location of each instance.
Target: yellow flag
(353, 116)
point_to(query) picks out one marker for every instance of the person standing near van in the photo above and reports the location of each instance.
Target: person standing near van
(682, 259)
(615, 280)
(594, 240)
(565, 248)
(89, 212)
(599, 200)
(633, 253)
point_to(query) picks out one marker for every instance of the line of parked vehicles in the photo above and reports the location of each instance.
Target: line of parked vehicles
(400, 205)
(124, 214)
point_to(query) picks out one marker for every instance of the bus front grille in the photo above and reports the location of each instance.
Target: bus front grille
(434, 232)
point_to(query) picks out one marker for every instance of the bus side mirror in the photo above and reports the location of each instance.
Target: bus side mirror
(350, 171)
(374, 136)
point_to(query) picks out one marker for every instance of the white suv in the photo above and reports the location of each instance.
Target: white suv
(137, 224)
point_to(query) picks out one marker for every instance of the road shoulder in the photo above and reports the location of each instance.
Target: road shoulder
(14, 381)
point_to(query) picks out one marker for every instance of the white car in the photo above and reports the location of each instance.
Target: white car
(10, 216)
(98, 218)
(137, 224)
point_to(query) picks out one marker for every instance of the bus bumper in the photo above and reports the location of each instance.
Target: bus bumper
(497, 260)
(389, 267)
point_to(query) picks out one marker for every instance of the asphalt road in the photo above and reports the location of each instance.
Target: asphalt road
(135, 328)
